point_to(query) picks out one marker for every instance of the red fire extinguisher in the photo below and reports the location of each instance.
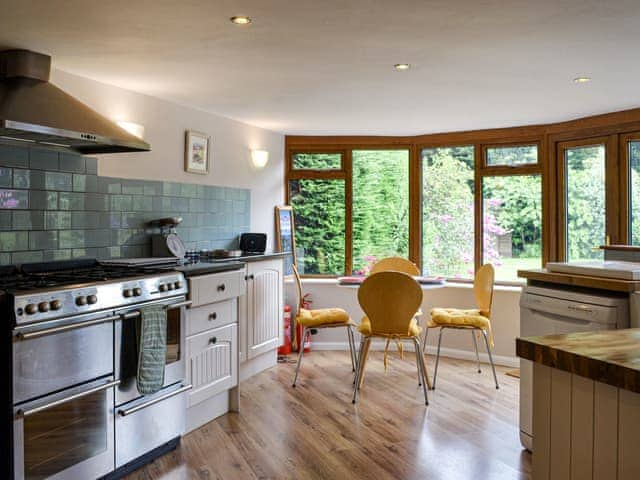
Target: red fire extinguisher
(285, 348)
(306, 303)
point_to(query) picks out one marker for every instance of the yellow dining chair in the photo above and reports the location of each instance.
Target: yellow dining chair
(396, 264)
(390, 301)
(475, 320)
(321, 318)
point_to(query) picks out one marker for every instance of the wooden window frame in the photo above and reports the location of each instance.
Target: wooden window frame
(618, 128)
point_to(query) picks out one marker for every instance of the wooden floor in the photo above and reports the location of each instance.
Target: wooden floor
(468, 431)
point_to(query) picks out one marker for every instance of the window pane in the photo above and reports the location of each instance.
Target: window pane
(634, 192)
(317, 161)
(518, 155)
(380, 206)
(447, 212)
(319, 207)
(512, 224)
(585, 202)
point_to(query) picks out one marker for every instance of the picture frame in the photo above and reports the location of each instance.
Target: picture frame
(196, 152)
(285, 236)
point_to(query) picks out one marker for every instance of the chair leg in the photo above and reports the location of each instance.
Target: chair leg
(360, 369)
(351, 348)
(421, 368)
(424, 339)
(358, 358)
(486, 342)
(435, 372)
(475, 345)
(301, 346)
(363, 361)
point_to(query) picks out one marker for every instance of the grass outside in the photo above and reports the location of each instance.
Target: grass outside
(508, 271)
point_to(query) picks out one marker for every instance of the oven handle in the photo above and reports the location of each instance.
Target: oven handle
(64, 328)
(173, 306)
(124, 413)
(55, 403)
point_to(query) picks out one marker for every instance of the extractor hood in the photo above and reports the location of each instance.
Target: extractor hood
(33, 110)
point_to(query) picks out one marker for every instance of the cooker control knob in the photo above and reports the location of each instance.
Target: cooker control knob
(163, 287)
(55, 305)
(137, 292)
(43, 306)
(80, 301)
(169, 286)
(178, 285)
(92, 299)
(127, 292)
(31, 308)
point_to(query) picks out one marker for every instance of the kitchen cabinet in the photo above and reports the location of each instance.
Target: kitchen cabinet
(261, 314)
(212, 345)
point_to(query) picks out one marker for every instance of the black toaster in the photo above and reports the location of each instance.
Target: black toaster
(253, 242)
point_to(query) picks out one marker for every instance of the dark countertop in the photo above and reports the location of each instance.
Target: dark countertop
(225, 264)
(608, 356)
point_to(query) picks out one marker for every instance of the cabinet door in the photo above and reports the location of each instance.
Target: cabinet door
(264, 306)
(212, 365)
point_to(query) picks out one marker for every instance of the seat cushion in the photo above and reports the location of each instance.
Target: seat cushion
(323, 316)
(414, 329)
(458, 317)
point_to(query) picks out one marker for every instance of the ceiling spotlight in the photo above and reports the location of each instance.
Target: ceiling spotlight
(582, 80)
(402, 66)
(240, 20)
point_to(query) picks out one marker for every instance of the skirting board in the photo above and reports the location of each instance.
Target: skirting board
(431, 350)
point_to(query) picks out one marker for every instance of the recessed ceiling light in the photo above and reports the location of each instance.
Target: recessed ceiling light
(402, 66)
(582, 80)
(240, 20)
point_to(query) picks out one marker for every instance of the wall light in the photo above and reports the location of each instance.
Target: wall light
(134, 129)
(259, 158)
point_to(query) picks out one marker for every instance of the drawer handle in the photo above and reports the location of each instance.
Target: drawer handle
(213, 316)
(221, 288)
(213, 340)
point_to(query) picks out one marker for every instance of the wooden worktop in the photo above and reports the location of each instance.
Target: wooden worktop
(588, 281)
(608, 356)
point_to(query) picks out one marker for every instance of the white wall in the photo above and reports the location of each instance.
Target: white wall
(505, 317)
(165, 124)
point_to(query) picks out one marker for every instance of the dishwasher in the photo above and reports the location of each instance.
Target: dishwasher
(557, 310)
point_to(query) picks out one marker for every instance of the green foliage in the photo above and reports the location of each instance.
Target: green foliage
(585, 201)
(317, 161)
(380, 204)
(319, 210)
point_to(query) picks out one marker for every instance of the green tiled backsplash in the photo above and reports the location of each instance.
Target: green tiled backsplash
(54, 206)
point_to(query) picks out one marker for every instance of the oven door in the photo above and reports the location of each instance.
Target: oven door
(68, 435)
(126, 348)
(51, 356)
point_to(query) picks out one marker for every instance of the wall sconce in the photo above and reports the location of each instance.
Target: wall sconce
(259, 158)
(134, 129)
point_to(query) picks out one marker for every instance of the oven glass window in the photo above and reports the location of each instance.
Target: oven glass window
(62, 436)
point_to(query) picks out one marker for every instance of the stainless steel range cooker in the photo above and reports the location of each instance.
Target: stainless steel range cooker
(73, 409)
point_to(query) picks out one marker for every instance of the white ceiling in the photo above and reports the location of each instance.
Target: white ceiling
(325, 66)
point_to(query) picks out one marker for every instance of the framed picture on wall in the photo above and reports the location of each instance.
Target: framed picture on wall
(196, 152)
(285, 239)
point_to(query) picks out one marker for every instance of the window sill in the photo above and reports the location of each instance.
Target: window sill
(450, 284)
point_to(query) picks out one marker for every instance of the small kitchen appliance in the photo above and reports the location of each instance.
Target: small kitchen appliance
(167, 243)
(253, 243)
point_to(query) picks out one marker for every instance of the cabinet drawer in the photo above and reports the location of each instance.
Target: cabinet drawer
(216, 287)
(212, 366)
(211, 316)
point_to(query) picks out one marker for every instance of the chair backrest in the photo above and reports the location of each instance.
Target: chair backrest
(390, 300)
(396, 264)
(298, 286)
(483, 289)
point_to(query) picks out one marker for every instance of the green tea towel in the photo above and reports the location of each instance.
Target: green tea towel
(152, 349)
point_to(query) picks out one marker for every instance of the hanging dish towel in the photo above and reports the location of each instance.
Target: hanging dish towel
(152, 349)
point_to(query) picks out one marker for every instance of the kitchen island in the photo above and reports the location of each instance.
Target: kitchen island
(586, 404)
